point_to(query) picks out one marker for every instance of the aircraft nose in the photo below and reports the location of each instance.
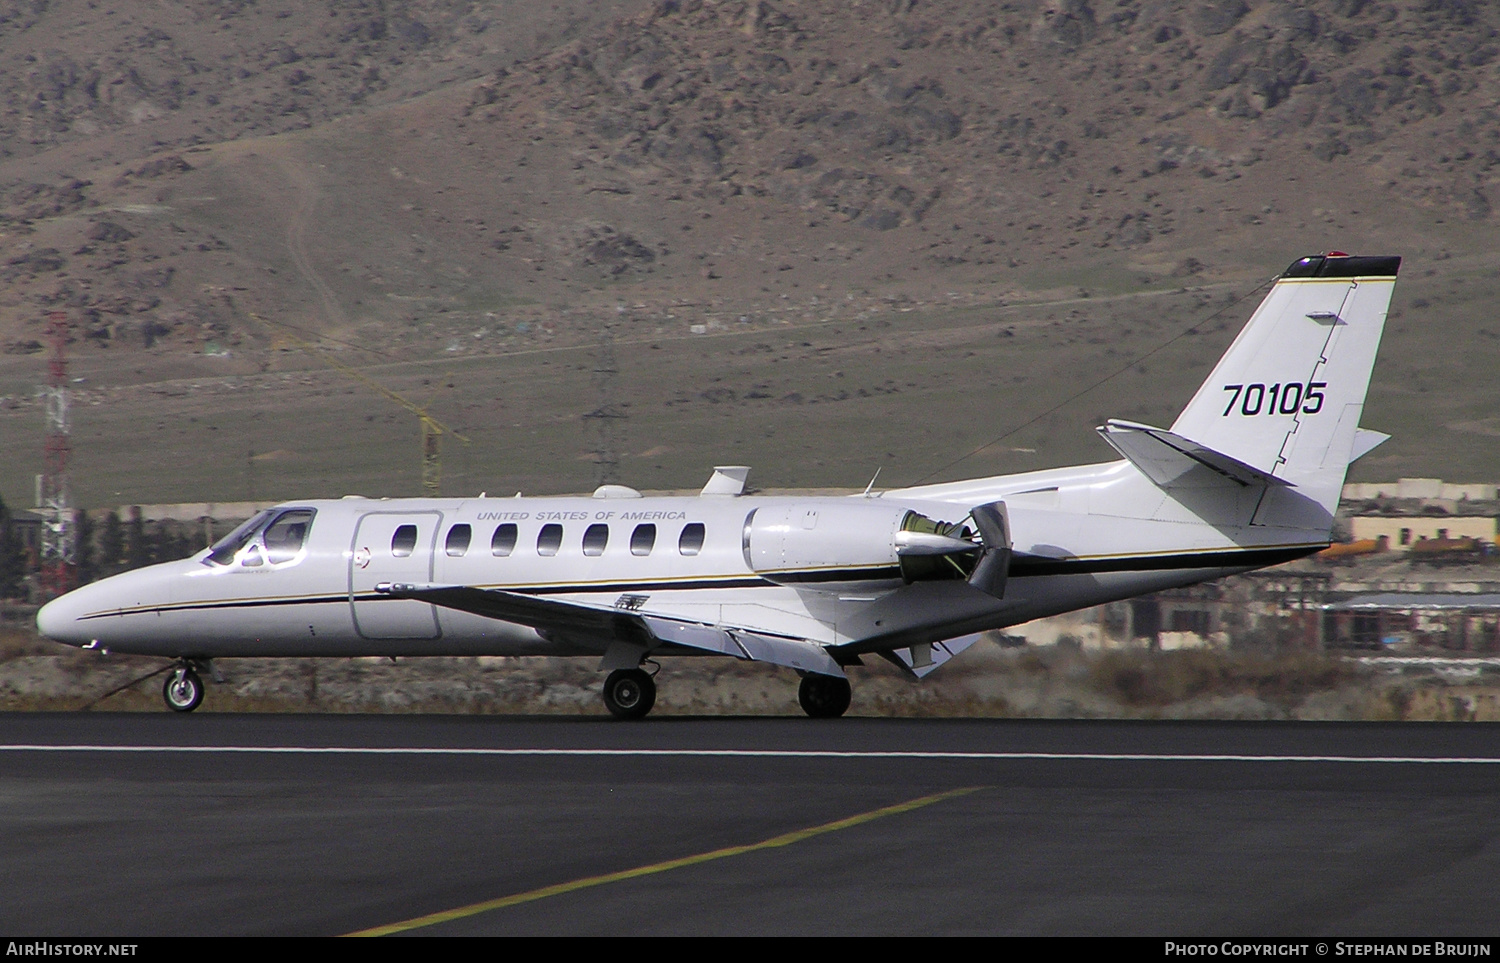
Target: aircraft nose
(58, 620)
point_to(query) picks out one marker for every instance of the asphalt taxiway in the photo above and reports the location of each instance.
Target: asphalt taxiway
(140, 824)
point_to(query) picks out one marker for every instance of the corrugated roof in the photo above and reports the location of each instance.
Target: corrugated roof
(1409, 601)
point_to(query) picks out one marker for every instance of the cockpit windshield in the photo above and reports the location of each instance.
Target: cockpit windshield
(224, 549)
(282, 533)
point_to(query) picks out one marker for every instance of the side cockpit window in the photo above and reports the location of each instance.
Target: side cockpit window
(286, 536)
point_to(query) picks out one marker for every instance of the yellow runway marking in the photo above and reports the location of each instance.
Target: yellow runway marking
(587, 882)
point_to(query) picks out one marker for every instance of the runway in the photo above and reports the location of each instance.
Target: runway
(137, 825)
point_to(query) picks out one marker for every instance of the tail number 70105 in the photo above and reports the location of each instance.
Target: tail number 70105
(1282, 399)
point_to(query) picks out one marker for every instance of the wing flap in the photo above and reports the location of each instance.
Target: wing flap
(742, 644)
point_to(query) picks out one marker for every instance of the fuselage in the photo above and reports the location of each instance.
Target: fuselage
(310, 579)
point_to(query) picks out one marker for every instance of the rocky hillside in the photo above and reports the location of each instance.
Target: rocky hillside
(439, 178)
(962, 140)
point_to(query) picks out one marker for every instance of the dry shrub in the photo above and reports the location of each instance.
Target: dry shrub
(16, 641)
(1155, 679)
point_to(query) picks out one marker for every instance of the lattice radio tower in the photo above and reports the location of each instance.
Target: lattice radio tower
(57, 559)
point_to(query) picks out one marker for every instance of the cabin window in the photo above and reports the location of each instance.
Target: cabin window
(549, 540)
(691, 542)
(1405, 536)
(285, 537)
(404, 541)
(594, 539)
(458, 540)
(643, 539)
(504, 541)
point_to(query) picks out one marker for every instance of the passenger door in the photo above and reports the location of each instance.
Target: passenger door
(393, 547)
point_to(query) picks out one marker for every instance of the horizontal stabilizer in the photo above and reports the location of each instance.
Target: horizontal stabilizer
(1168, 459)
(1366, 441)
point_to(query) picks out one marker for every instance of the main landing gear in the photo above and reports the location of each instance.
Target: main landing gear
(183, 690)
(629, 693)
(823, 696)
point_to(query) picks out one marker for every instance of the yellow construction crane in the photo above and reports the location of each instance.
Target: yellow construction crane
(432, 429)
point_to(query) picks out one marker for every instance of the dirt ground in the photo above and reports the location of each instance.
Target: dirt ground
(989, 681)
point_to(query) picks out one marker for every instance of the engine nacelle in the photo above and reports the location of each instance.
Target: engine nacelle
(837, 541)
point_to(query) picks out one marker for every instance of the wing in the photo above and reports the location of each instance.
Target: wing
(645, 630)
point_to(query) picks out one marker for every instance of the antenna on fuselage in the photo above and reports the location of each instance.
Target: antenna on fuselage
(872, 481)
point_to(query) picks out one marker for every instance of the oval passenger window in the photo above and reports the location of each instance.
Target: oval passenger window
(643, 539)
(504, 541)
(549, 540)
(691, 542)
(594, 539)
(458, 540)
(404, 541)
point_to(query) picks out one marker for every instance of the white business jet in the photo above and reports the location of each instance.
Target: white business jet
(1249, 475)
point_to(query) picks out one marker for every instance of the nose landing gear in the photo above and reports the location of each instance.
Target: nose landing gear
(183, 690)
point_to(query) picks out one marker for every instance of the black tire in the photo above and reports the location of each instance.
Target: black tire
(824, 696)
(183, 694)
(629, 693)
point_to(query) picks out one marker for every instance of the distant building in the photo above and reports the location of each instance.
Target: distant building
(1420, 489)
(1402, 531)
(1412, 511)
(28, 528)
(1443, 622)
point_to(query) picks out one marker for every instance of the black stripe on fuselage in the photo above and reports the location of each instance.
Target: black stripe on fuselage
(1032, 566)
(229, 604)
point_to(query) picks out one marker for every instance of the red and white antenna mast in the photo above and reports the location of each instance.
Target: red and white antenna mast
(57, 572)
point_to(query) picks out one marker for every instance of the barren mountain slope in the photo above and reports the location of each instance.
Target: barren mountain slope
(744, 166)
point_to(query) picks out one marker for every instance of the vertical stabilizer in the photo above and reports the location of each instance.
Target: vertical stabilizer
(1287, 395)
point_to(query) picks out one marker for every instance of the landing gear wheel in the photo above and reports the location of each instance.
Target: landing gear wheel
(629, 693)
(824, 696)
(183, 690)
